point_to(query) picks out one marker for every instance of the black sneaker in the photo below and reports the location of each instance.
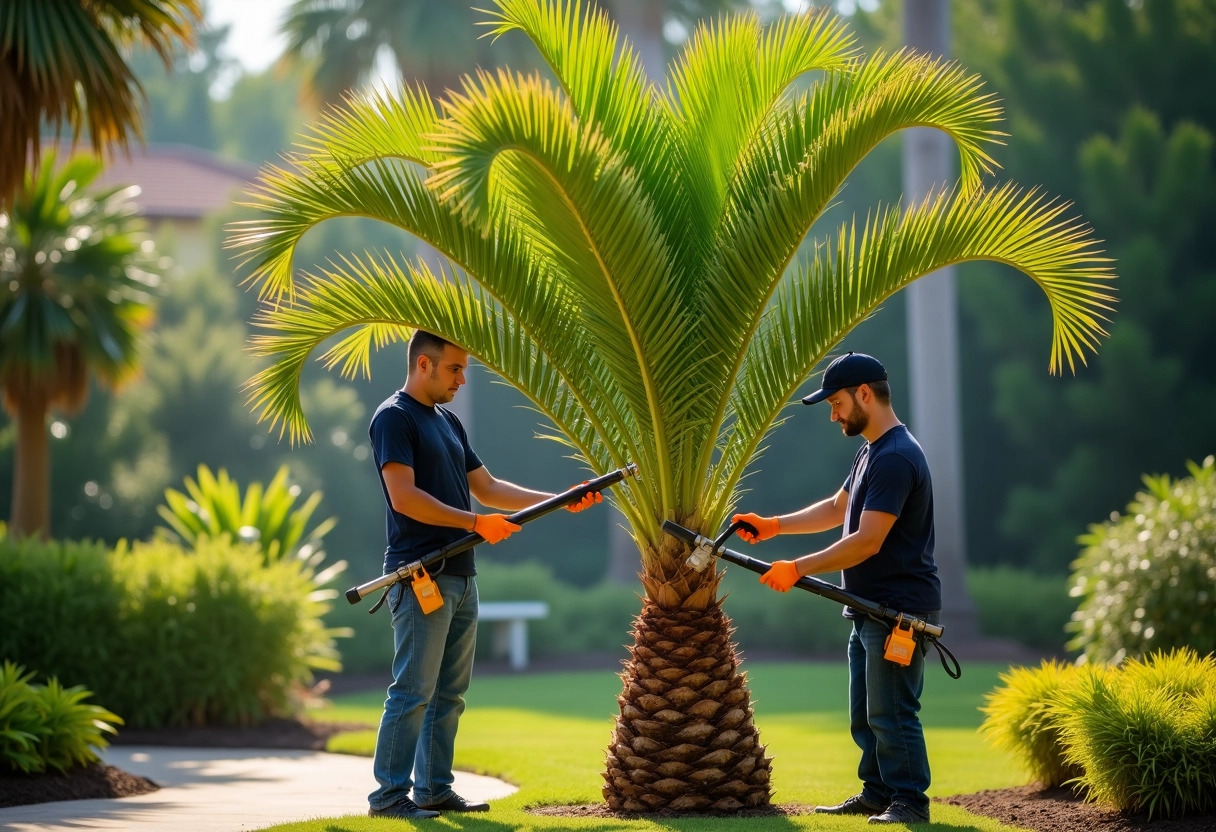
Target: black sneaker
(406, 809)
(900, 813)
(855, 805)
(456, 803)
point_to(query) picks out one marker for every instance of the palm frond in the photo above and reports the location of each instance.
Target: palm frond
(833, 291)
(790, 178)
(630, 306)
(63, 63)
(366, 292)
(731, 77)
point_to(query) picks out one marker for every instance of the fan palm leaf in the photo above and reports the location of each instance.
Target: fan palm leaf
(63, 63)
(635, 260)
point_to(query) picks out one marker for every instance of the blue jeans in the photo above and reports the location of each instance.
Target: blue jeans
(884, 707)
(432, 663)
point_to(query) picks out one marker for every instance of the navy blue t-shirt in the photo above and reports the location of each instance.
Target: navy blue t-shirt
(432, 441)
(892, 475)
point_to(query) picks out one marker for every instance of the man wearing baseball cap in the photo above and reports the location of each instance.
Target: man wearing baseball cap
(886, 555)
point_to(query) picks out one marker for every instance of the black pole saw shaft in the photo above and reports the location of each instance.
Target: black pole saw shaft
(355, 594)
(813, 585)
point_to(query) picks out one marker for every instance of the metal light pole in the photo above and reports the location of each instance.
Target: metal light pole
(933, 342)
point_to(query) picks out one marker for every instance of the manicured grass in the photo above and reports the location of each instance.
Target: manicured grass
(547, 733)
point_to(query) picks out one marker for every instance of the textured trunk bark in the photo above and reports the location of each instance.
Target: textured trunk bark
(31, 508)
(685, 739)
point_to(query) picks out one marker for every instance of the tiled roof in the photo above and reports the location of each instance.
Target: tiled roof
(177, 181)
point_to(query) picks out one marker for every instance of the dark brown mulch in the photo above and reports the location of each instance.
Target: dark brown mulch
(1061, 810)
(79, 784)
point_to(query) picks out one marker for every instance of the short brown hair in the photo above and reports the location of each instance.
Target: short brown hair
(428, 344)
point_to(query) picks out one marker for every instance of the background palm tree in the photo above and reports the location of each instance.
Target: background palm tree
(63, 63)
(631, 258)
(77, 276)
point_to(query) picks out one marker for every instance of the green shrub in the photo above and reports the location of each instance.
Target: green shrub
(48, 725)
(59, 602)
(216, 636)
(1146, 746)
(73, 728)
(1022, 606)
(1022, 717)
(20, 726)
(266, 517)
(1147, 579)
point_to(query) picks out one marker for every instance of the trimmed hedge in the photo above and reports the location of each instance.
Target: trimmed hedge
(163, 636)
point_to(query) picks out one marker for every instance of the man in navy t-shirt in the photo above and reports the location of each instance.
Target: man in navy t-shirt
(886, 555)
(429, 475)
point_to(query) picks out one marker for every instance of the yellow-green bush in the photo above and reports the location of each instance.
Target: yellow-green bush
(1145, 736)
(1140, 737)
(1021, 717)
(163, 636)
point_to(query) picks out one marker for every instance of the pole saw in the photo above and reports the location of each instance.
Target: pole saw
(902, 640)
(416, 570)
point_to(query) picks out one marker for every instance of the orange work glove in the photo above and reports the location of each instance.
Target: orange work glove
(495, 528)
(589, 499)
(765, 527)
(782, 575)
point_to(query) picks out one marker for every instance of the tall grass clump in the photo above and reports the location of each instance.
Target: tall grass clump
(1022, 716)
(1145, 736)
(1147, 579)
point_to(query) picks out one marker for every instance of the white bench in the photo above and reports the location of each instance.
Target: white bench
(511, 626)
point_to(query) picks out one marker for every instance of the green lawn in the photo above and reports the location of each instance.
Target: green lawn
(547, 733)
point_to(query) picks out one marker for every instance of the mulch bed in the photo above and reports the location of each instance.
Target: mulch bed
(1061, 810)
(79, 784)
(1044, 810)
(599, 810)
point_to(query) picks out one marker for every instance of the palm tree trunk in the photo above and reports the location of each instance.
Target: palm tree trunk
(685, 739)
(31, 512)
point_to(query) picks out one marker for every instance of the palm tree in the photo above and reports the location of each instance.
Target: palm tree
(77, 277)
(64, 63)
(631, 259)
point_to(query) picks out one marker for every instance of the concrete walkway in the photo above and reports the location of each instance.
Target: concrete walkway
(223, 790)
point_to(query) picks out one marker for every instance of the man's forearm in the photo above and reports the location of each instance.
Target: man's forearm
(848, 551)
(418, 505)
(818, 517)
(507, 496)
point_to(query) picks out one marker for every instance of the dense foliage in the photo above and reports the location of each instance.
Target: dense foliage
(164, 636)
(1146, 579)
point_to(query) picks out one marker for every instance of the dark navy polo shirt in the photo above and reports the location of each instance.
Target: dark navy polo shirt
(432, 441)
(891, 474)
